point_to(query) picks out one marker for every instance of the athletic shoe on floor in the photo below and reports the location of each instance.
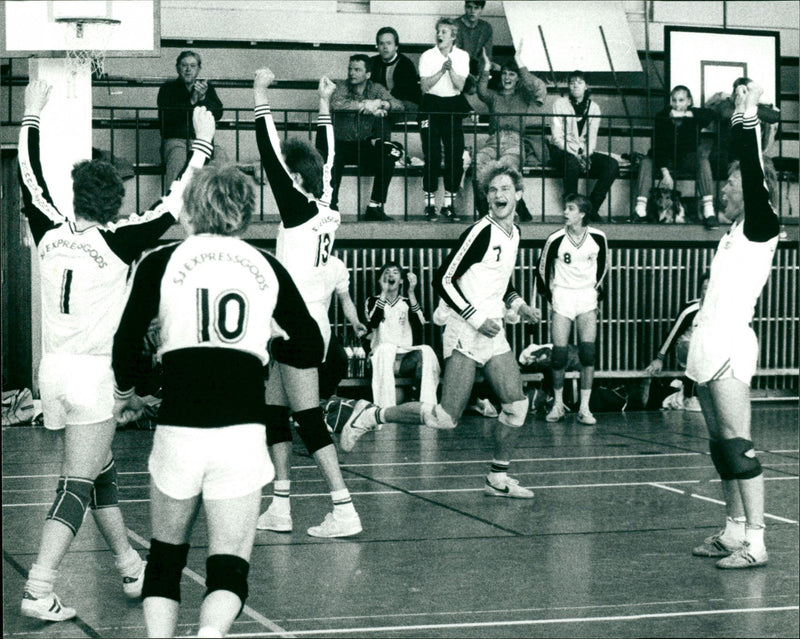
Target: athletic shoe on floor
(276, 522)
(556, 413)
(586, 418)
(360, 423)
(744, 558)
(714, 546)
(336, 411)
(132, 586)
(692, 404)
(484, 407)
(47, 608)
(334, 526)
(510, 488)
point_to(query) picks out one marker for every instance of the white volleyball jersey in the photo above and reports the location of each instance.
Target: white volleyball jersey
(215, 298)
(308, 225)
(565, 263)
(84, 273)
(475, 278)
(396, 322)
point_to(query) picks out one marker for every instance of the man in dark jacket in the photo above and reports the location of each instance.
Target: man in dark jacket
(394, 70)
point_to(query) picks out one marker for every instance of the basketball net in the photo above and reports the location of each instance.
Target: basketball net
(78, 33)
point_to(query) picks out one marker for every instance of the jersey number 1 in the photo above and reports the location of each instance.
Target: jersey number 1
(227, 305)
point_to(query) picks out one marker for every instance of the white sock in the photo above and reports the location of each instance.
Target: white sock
(374, 204)
(498, 472)
(586, 393)
(734, 528)
(641, 207)
(208, 631)
(448, 198)
(342, 503)
(754, 536)
(559, 396)
(281, 504)
(40, 581)
(708, 206)
(430, 199)
(129, 564)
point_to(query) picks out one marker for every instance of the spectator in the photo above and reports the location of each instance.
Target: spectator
(520, 91)
(362, 134)
(176, 100)
(679, 335)
(396, 322)
(395, 71)
(574, 140)
(443, 70)
(475, 37)
(676, 134)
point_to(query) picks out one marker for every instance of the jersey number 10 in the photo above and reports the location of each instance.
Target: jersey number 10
(228, 316)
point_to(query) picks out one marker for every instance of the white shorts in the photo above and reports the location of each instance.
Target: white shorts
(571, 302)
(220, 463)
(76, 389)
(718, 353)
(460, 336)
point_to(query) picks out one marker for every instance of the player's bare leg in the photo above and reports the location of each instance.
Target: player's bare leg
(560, 328)
(586, 326)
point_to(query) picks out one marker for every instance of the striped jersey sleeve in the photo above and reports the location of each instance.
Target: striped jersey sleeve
(682, 322)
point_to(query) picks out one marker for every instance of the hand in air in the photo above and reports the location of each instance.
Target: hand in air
(326, 87)
(204, 124)
(264, 78)
(37, 93)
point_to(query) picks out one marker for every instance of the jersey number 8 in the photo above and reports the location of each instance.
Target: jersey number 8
(229, 316)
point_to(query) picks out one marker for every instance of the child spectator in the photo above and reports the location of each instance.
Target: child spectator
(520, 91)
(576, 120)
(396, 322)
(676, 134)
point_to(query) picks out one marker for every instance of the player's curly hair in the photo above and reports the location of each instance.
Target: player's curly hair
(220, 199)
(97, 191)
(301, 157)
(493, 169)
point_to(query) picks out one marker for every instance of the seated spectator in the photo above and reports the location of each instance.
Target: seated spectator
(679, 336)
(676, 137)
(573, 142)
(176, 101)
(396, 323)
(395, 71)
(443, 70)
(520, 92)
(475, 36)
(362, 135)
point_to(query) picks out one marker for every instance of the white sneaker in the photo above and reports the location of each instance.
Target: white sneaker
(556, 413)
(334, 526)
(510, 488)
(744, 557)
(132, 586)
(484, 407)
(433, 416)
(586, 418)
(47, 608)
(276, 522)
(360, 423)
(692, 404)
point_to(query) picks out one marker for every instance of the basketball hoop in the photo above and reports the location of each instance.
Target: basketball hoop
(79, 31)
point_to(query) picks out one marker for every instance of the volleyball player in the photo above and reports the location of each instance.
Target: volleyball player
(723, 352)
(215, 297)
(300, 178)
(84, 268)
(475, 283)
(572, 266)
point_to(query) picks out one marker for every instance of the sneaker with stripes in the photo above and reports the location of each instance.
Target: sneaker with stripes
(744, 557)
(46, 608)
(714, 546)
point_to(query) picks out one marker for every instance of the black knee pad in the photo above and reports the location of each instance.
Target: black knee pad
(741, 458)
(73, 496)
(105, 493)
(227, 572)
(586, 353)
(312, 430)
(719, 460)
(162, 576)
(276, 419)
(558, 360)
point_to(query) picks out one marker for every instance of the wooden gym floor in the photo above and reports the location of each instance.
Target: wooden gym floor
(602, 551)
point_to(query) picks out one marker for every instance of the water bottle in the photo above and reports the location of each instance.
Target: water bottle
(350, 364)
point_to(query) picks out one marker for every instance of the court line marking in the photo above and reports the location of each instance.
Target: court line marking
(247, 610)
(718, 501)
(427, 491)
(526, 622)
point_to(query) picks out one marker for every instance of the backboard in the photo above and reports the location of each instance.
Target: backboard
(46, 28)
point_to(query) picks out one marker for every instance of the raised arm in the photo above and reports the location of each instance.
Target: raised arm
(760, 220)
(37, 203)
(324, 140)
(294, 206)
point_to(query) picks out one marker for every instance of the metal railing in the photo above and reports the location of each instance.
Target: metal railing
(627, 138)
